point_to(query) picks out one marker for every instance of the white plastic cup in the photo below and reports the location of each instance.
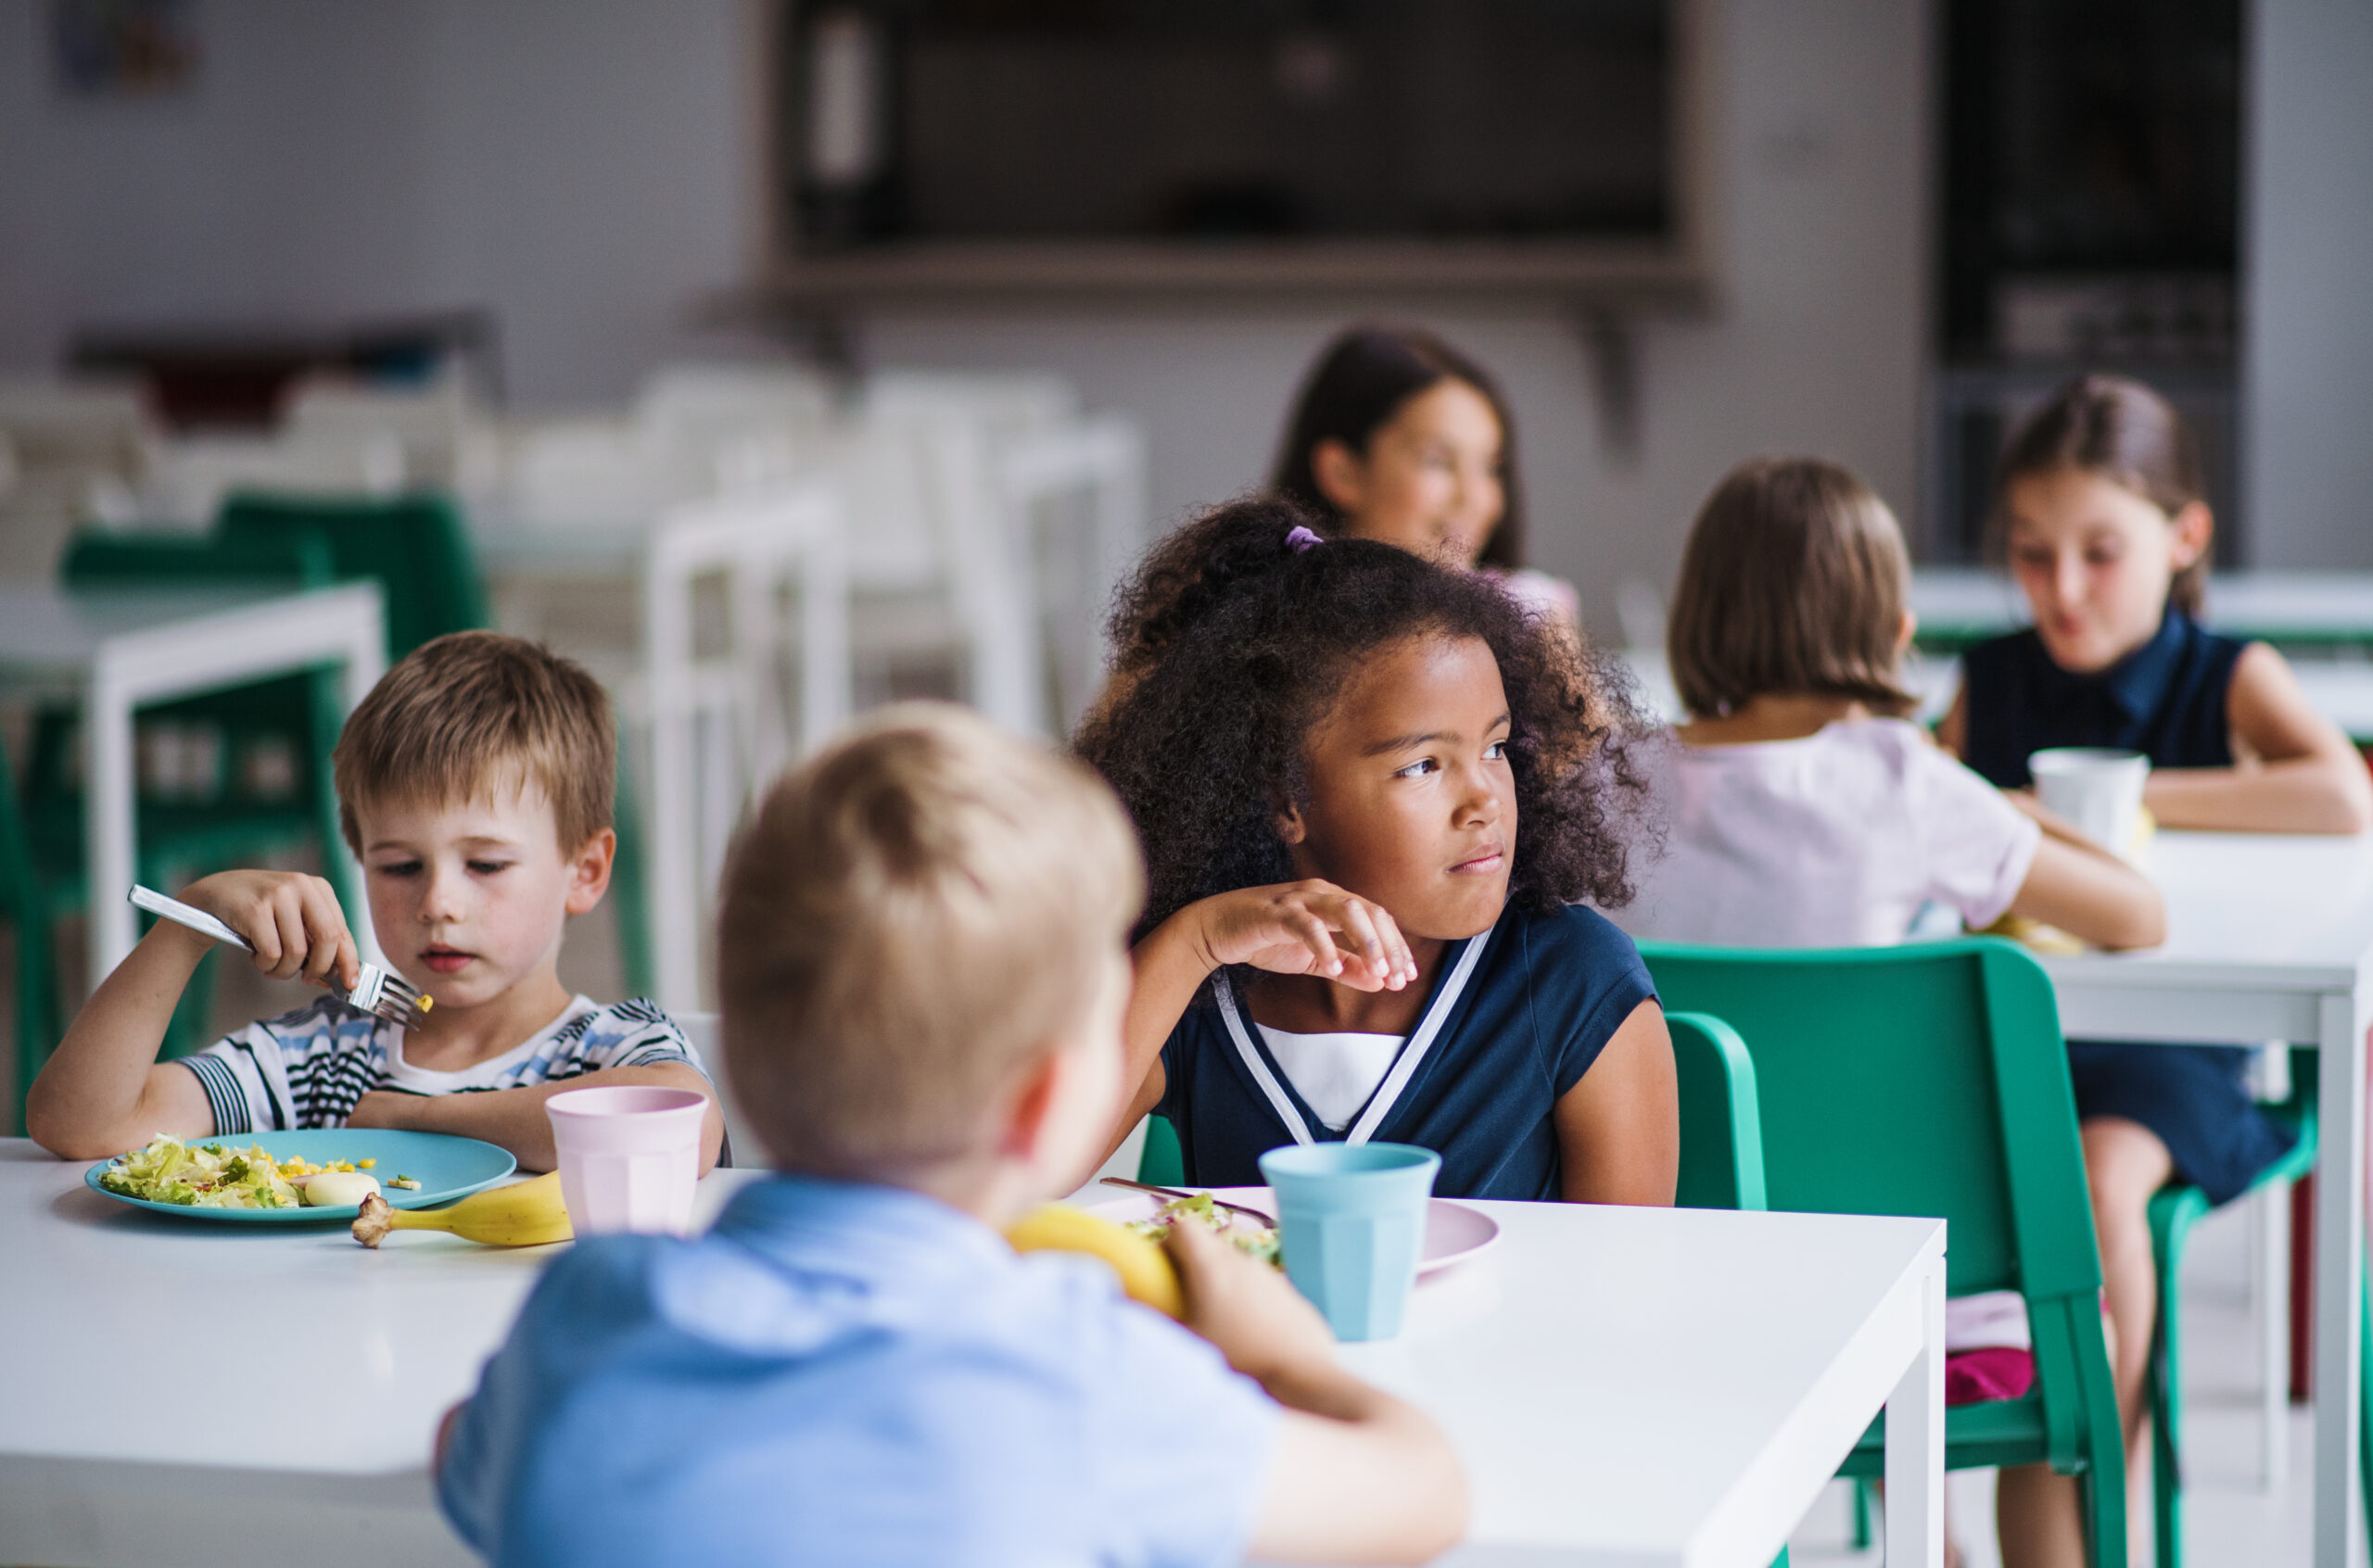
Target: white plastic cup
(630, 1157)
(2097, 791)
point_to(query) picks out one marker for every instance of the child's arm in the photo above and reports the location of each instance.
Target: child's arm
(1619, 1128)
(103, 1091)
(1310, 928)
(2076, 885)
(2302, 774)
(514, 1118)
(1358, 1475)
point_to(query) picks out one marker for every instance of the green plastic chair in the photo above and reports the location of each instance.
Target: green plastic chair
(1162, 1163)
(2174, 1209)
(1722, 1129)
(1932, 1080)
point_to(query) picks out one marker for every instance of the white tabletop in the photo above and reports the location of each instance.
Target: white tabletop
(2264, 914)
(1615, 1392)
(47, 631)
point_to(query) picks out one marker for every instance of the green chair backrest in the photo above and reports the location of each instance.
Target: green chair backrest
(1162, 1162)
(94, 560)
(1721, 1136)
(1927, 1078)
(414, 545)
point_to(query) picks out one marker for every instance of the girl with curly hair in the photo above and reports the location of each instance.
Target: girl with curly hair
(1371, 793)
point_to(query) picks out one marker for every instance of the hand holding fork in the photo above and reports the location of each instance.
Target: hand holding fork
(297, 931)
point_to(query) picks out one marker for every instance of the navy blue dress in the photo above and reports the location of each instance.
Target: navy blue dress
(1516, 1017)
(2168, 701)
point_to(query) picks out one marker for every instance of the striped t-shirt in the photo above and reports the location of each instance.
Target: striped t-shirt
(306, 1068)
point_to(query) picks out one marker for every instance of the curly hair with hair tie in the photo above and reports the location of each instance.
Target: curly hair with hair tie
(1235, 641)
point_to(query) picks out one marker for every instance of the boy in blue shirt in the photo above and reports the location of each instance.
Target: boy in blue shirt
(922, 974)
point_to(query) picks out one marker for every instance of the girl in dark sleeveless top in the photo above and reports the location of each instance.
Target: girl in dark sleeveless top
(2100, 498)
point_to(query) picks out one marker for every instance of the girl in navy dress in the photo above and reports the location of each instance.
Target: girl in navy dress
(2099, 497)
(1370, 790)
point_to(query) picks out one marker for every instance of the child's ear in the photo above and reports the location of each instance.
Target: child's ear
(2195, 526)
(1291, 828)
(1026, 1121)
(1904, 632)
(589, 871)
(1340, 475)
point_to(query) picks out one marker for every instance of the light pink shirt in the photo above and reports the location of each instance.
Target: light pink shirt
(1838, 839)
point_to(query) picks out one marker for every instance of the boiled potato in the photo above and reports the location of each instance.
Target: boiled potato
(335, 1189)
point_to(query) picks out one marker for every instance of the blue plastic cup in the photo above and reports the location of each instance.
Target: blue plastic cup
(1351, 1224)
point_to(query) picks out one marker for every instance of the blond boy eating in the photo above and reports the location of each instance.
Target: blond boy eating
(475, 783)
(922, 973)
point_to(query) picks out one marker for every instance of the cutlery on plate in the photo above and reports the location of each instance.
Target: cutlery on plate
(390, 996)
(1176, 1192)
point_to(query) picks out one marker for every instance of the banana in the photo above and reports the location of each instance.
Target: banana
(1145, 1269)
(524, 1214)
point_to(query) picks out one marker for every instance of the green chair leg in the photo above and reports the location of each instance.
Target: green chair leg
(2173, 1210)
(1862, 1532)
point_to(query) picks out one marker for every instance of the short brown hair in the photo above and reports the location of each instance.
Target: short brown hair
(914, 915)
(1793, 581)
(2123, 432)
(468, 714)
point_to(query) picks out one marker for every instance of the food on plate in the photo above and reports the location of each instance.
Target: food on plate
(524, 1214)
(1247, 1234)
(406, 1182)
(335, 1189)
(1145, 1269)
(215, 1175)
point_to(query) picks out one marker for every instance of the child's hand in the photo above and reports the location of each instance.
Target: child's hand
(1310, 928)
(293, 919)
(1248, 1309)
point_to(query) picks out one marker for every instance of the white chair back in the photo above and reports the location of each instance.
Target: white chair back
(714, 690)
(703, 400)
(188, 478)
(1100, 464)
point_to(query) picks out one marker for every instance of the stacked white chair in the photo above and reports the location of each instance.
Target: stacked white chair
(188, 477)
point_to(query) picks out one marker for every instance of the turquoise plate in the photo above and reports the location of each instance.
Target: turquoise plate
(446, 1166)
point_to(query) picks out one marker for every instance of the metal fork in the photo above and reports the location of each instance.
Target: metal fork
(1268, 1219)
(387, 995)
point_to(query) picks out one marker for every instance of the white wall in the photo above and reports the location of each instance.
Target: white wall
(572, 163)
(2307, 365)
(579, 165)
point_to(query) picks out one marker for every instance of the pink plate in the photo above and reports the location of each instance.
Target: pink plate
(1454, 1232)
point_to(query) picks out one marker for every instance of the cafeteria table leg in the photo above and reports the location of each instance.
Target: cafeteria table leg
(2340, 1243)
(1915, 1439)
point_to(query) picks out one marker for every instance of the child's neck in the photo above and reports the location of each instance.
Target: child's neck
(456, 1038)
(1315, 1005)
(1774, 715)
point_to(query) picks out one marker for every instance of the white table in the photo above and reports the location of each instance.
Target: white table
(122, 651)
(2270, 937)
(1968, 602)
(1619, 1397)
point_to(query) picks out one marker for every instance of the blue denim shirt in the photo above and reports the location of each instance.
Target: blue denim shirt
(841, 1373)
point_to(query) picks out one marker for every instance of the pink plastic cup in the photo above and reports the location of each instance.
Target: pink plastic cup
(630, 1157)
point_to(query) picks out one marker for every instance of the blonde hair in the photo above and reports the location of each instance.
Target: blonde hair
(470, 714)
(1795, 580)
(915, 915)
